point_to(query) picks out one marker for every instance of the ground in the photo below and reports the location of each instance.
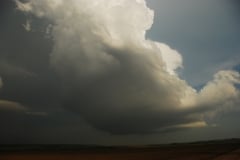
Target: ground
(214, 150)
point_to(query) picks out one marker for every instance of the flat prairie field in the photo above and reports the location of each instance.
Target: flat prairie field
(203, 151)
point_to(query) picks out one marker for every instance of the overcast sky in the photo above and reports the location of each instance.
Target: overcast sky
(119, 72)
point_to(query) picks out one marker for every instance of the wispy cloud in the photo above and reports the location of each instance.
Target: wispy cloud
(27, 26)
(6, 105)
(10, 69)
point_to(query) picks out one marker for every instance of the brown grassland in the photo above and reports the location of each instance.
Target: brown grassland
(224, 150)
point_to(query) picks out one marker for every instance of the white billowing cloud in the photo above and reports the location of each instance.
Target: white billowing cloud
(171, 57)
(220, 94)
(118, 80)
(216, 92)
(221, 89)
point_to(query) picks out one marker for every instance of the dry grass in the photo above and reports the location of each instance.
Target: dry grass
(169, 152)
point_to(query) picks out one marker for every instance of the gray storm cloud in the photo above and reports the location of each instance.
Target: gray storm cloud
(6, 105)
(1, 83)
(118, 80)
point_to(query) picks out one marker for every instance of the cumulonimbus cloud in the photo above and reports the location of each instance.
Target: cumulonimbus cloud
(118, 80)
